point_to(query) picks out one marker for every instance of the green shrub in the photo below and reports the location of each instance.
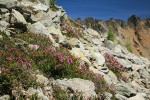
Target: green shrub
(111, 35)
(52, 5)
(128, 46)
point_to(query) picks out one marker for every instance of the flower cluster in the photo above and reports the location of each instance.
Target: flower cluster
(72, 31)
(113, 64)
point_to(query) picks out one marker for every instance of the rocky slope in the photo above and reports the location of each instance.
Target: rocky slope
(46, 56)
(136, 30)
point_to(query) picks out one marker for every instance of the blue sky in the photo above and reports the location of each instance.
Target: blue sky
(105, 9)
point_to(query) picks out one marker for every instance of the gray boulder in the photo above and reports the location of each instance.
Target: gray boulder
(39, 28)
(8, 3)
(85, 86)
(120, 97)
(99, 58)
(109, 44)
(17, 17)
(125, 90)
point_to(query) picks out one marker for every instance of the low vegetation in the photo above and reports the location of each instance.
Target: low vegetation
(113, 64)
(52, 5)
(72, 31)
(18, 63)
(128, 46)
(111, 35)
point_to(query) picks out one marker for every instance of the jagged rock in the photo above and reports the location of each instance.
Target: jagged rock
(109, 44)
(8, 3)
(125, 90)
(116, 23)
(5, 97)
(113, 77)
(108, 79)
(40, 7)
(126, 64)
(4, 24)
(31, 91)
(137, 97)
(17, 17)
(85, 86)
(120, 97)
(134, 21)
(42, 80)
(56, 32)
(92, 32)
(134, 59)
(5, 17)
(78, 54)
(39, 28)
(108, 96)
(99, 58)
(3, 10)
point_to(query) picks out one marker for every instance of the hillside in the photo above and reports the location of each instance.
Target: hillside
(45, 55)
(136, 31)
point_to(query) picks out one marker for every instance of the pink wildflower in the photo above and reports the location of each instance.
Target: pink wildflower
(9, 58)
(69, 60)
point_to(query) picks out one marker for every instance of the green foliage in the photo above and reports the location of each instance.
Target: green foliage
(52, 5)
(111, 35)
(128, 46)
(14, 67)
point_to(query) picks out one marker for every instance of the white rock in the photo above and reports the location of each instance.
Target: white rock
(85, 86)
(56, 31)
(92, 32)
(17, 17)
(137, 97)
(100, 59)
(42, 80)
(78, 54)
(39, 7)
(9, 3)
(39, 28)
